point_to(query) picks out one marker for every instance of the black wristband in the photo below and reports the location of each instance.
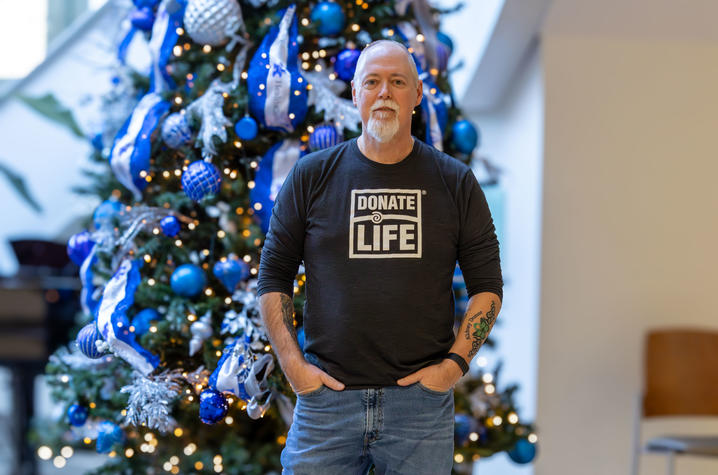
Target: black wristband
(460, 361)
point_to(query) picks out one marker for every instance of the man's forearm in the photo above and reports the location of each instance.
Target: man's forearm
(481, 312)
(277, 310)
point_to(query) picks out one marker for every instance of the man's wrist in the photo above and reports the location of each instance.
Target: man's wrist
(459, 361)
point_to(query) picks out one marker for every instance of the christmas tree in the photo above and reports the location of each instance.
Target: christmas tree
(171, 368)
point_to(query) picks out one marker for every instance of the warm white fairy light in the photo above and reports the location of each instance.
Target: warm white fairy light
(220, 67)
(221, 234)
(317, 67)
(191, 226)
(258, 206)
(473, 437)
(129, 453)
(178, 100)
(64, 378)
(305, 21)
(489, 389)
(44, 452)
(218, 468)
(59, 461)
(497, 420)
(513, 418)
(305, 65)
(167, 466)
(177, 50)
(355, 27)
(178, 172)
(151, 282)
(481, 361)
(206, 48)
(246, 258)
(190, 449)
(153, 329)
(179, 31)
(178, 243)
(322, 53)
(487, 378)
(420, 38)
(233, 174)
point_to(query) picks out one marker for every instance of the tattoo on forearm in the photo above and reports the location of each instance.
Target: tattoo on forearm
(482, 329)
(468, 325)
(288, 315)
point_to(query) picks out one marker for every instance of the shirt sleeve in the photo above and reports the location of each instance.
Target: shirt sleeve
(478, 252)
(284, 244)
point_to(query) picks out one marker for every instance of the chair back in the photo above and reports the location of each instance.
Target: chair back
(681, 372)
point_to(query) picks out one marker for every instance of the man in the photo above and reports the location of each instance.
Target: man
(379, 222)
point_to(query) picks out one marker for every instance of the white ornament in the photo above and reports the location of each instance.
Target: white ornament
(211, 22)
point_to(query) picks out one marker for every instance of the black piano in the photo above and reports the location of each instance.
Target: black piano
(38, 306)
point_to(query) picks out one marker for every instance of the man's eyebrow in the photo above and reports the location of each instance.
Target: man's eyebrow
(392, 74)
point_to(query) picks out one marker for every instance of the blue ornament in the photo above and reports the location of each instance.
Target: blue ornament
(142, 18)
(176, 131)
(463, 425)
(79, 247)
(231, 272)
(446, 40)
(269, 178)
(145, 3)
(105, 213)
(465, 137)
(324, 136)
(300, 338)
(277, 91)
(345, 64)
(170, 225)
(201, 179)
(142, 320)
(246, 128)
(97, 142)
(212, 406)
(86, 339)
(330, 17)
(77, 415)
(523, 452)
(108, 435)
(188, 280)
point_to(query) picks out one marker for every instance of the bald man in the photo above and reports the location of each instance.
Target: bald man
(379, 222)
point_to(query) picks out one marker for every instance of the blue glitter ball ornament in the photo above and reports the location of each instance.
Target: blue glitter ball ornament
(231, 272)
(79, 247)
(212, 406)
(176, 131)
(77, 415)
(106, 212)
(324, 136)
(170, 226)
(345, 63)
(86, 339)
(188, 280)
(523, 452)
(142, 320)
(464, 425)
(108, 435)
(445, 39)
(142, 18)
(246, 128)
(201, 179)
(330, 17)
(464, 136)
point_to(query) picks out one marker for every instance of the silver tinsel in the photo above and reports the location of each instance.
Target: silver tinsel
(247, 322)
(151, 398)
(341, 112)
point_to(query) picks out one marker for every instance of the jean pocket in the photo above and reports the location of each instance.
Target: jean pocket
(434, 391)
(314, 392)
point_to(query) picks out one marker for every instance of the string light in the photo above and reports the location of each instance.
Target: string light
(221, 234)
(179, 31)
(177, 50)
(305, 65)
(458, 458)
(420, 38)
(178, 100)
(151, 282)
(206, 49)
(355, 27)
(305, 21)
(220, 67)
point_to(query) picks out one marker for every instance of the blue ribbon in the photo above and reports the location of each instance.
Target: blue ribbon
(89, 305)
(164, 37)
(117, 297)
(130, 153)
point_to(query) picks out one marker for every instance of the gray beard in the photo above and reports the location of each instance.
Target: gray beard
(382, 130)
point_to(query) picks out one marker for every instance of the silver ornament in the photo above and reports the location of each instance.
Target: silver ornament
(211, 22)
(175, 130)
(201, 330)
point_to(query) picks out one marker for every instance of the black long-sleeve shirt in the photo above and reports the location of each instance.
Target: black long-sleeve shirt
(379, 244)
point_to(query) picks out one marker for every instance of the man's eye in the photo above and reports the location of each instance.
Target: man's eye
(399, 82)
(370, 82)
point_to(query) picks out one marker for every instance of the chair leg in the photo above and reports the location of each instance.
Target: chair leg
(637, 449)
(670, 463)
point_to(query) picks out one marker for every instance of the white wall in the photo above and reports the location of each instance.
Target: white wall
(47, 155)
(512, 139)
(629, 228)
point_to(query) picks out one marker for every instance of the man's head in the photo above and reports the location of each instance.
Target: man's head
(386, 89)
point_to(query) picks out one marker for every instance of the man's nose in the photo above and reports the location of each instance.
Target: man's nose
(384, 90)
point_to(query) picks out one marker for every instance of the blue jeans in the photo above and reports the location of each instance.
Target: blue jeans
(399, 429)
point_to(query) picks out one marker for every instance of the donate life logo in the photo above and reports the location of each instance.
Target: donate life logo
(385, 223)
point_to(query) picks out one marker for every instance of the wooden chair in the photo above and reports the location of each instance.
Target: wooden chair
(680, 378)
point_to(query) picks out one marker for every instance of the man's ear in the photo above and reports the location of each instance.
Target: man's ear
(420, 93)
(354, 94)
